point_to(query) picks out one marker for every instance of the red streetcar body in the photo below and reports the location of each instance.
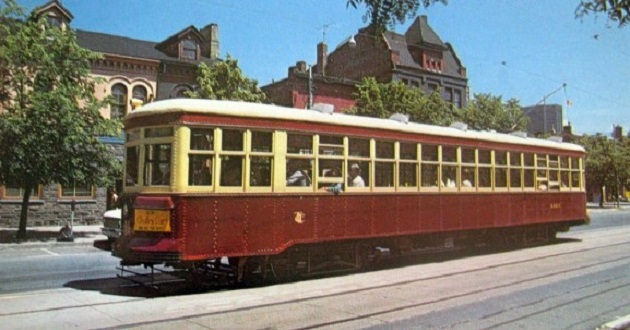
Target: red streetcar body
(180, 222)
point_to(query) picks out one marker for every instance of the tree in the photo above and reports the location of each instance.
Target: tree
(384, 14)
(616, 10)
(50, 115)
(488, 112)
(380, 100)
(225, 81)
(606, 162)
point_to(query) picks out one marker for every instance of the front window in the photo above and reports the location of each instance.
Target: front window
(189, 50)
(157, 164)
(118, 106)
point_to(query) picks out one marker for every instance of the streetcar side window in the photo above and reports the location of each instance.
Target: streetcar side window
(449, 167)
(231, 171)
(500, 169)
(541, 173)
(575, 173)
(408, 167)
(131, 169)
(201, 158)
(232, 158)
(261, 159)
(384, 166)
(358, 163)
(157, 165)
(469, 177)
(516, 171)
(485, 168)
(299, 163)
(429, 176)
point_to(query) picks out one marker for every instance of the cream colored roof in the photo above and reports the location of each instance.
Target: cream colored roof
(257, 110)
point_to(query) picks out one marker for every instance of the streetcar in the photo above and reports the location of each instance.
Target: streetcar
(280, 192)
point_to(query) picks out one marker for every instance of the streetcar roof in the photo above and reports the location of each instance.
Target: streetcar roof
(266, 111)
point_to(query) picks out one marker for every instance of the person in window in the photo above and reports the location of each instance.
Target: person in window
(355, 179)
(298, 177)
(203, 175)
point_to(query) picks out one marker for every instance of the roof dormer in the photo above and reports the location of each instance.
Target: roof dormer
(184, 45)
(56, 14)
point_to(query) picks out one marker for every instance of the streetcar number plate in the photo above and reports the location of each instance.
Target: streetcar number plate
(152, 220)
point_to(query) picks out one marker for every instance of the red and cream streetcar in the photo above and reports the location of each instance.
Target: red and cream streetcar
(282, 192)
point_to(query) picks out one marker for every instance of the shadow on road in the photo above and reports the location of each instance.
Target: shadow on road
(7, 235)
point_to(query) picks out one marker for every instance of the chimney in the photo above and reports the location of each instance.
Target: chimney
(322, 58)
(210, 46)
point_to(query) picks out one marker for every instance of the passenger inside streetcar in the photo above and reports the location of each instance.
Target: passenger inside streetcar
(355, 179)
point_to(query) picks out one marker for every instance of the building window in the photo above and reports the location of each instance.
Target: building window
(14, 191)
(77, 190)
(119, 104)
(189, 50)
(140, 93)
(54, 21)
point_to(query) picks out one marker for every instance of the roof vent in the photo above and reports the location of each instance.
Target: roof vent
(400, 117)
(519, 134)
(555, 139)
(459, 125)
(324, 108)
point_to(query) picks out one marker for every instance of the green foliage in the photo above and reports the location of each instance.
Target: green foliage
(50, 116)
(488, 112)
(384, 14)
(606, 161)
(375, 99)
(616, 10)
(225, 81)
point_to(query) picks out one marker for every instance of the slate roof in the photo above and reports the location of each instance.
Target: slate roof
(124, 46)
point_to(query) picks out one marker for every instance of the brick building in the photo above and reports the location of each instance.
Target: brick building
(134, 71)
(418, 58)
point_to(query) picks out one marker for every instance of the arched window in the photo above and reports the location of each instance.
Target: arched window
(180, 92)
(189, 50)
(119, 104)
(140, 93)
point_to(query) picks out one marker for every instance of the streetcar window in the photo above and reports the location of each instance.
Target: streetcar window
(300, 172)
(360, 148)
(408, 151)
(575, 179)
(384, 149)
(515, 178)
(500, 158)
(330, 145)
(468, 177)
(261, 141)
(449, 176)
(484, 177)
(231, 171)
(300, 144)
(358, 173)
(500, 177)
(330, 168)
(200, 169)
(449, 154)
(133, 135)
(408, 175)
(564, 180)
(201, 139)
(528, 159)
(515, 159)
(158, 132)
(260, 172)
(468, 155)
(384, 174)
(429, 152)
(429, 177)
(157, 164)
(232, 140)
(484, 157)
(528, 178)
(564, 162)
(132, 173)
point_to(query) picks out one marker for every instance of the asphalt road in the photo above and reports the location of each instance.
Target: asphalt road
(578, 284)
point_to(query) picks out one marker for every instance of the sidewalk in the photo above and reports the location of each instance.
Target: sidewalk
(44, 236)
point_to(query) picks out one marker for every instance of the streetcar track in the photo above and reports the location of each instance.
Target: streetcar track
(366, 289)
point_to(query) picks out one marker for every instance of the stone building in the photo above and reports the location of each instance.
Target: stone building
(134, 72)
(418, 58)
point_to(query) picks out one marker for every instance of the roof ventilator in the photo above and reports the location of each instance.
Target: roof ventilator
(400, 117)
(324, 108)
(459, 125)
(519, 134)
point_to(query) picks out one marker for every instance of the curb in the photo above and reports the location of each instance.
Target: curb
(618, 324)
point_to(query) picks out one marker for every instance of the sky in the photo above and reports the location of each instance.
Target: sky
(516, 49)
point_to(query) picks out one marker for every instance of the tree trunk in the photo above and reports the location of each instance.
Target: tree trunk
(601, 196)
(21, 234)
